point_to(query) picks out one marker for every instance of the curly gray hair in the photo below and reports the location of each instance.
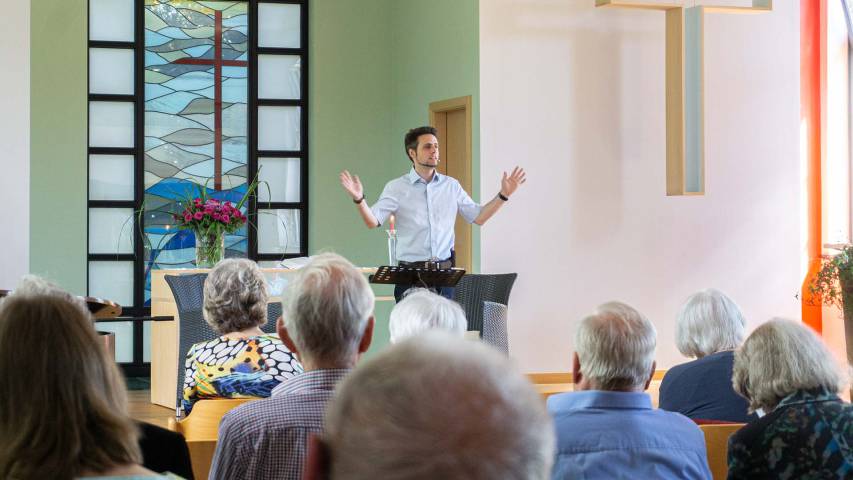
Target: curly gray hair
(779, 358)
(235, 296)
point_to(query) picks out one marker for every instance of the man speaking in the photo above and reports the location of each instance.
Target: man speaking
(425, 204)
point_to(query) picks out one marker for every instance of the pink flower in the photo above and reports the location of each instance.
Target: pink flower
(198, 215)
(187, 217)
(217, 217)
(197, 201)
(228, 204)
(226, 218)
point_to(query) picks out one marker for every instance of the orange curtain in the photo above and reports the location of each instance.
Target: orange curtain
(812, 83)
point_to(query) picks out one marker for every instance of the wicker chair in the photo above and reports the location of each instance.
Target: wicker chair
(474, 289)
(188, 291)
(494, 326)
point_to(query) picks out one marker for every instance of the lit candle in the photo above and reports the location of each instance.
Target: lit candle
(391, 223)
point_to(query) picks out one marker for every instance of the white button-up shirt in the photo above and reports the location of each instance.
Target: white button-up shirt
(425, 214)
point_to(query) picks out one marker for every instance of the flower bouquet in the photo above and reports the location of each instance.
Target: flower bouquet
(210, 220)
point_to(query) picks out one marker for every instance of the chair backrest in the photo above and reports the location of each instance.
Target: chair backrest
(203, 421)
(494, 326)
(474, 289)
(201, 430)
(188, 291)
(273, 312)
(717, 446)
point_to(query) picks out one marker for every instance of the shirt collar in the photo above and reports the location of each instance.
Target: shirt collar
(808, 396)
(323, 379)
(602, 399)
(413, 177)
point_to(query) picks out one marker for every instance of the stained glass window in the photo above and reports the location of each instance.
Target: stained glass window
(187, 95)
(196, 128)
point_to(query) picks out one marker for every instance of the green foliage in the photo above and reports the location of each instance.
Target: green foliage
(835, 271)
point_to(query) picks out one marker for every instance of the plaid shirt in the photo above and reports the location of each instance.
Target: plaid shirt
(269, 438)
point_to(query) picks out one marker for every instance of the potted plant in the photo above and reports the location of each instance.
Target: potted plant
(833, 283)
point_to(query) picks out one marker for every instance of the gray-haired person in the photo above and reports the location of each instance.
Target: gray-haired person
(786, 371)
(328, 323)
(435, 407)
(607, 428)
(710, 327)
(422, 310)
(243, 361)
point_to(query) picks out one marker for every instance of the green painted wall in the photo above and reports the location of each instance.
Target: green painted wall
(350, 120)
(58, 142)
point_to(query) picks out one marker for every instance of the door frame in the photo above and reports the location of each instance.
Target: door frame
(450, 105)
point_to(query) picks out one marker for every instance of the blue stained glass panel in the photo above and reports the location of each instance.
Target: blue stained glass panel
(196, 124)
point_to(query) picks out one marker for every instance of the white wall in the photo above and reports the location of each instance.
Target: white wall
(575, 94)
(15, 142)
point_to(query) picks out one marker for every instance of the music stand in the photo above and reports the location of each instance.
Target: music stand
(422, 277)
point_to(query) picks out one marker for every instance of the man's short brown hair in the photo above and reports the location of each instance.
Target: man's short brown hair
(410, 141)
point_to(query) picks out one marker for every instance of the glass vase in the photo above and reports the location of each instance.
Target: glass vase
(209, 249)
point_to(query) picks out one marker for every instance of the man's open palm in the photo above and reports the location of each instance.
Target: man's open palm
(352, 184)
(510, 183)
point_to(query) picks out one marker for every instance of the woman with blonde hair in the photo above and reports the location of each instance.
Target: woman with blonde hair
(63, 411)
(784, 370)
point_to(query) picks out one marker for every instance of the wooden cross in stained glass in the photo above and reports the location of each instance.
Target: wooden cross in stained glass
(218, 61)
(685, 96)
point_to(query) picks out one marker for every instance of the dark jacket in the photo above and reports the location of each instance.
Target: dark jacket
(702, 390)
(809, 435)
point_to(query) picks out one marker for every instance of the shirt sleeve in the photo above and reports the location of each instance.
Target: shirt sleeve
(189, 382)
(386, 204)
(466, 207)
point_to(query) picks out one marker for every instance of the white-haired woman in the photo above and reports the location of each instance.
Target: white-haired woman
(786, 371)
(423, 309)
(710, 326)
(243, 361)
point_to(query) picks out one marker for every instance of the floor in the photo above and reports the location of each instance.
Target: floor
(141, 408)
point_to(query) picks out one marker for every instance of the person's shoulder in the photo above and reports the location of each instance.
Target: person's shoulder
(678, 424)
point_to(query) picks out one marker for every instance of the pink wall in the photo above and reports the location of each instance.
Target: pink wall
(575, 94)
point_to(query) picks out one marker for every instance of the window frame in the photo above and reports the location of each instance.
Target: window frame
(138, 313)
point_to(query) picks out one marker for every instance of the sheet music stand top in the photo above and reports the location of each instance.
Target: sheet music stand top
(424, 277)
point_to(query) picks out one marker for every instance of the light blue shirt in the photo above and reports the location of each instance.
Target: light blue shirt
(619, 435)
(425, 214)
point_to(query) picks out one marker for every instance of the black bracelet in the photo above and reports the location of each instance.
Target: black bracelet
(502, 197)
(359, 200)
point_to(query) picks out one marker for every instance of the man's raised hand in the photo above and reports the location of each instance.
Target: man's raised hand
(510, 183)
(352, 184)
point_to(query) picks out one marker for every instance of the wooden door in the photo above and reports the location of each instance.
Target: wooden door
(452, 119)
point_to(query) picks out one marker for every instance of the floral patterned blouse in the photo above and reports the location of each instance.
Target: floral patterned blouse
(809, 435)
(228, 368)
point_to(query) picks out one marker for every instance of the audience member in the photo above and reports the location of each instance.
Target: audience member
(608, 428)
(423, 309)
(243, 361)
(435, 407)
(63, 411)
(785, 370)
(162, 450)
(328, 323)
(32, 285)
(710, 327)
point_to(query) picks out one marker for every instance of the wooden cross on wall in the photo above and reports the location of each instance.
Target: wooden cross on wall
(218, 61)
(685, 90)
